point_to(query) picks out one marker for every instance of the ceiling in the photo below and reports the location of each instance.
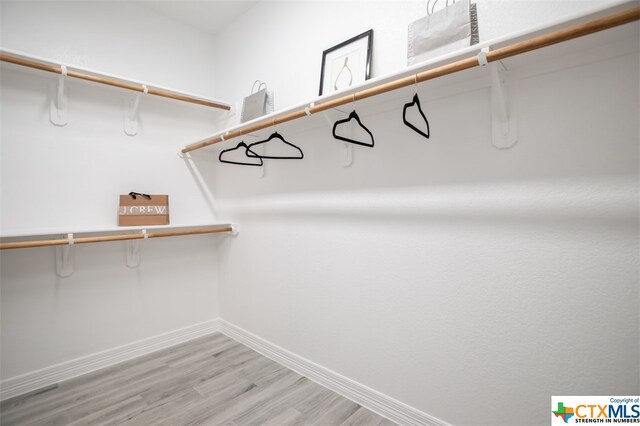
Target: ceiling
(211, 16)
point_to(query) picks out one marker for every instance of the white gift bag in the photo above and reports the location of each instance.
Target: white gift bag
(449, 29)
(258, 103)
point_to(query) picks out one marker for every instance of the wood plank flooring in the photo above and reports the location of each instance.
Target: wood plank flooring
(213, 380)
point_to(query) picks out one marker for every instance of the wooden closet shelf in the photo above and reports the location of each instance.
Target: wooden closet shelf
(509, 47)
(112, 236)
(51, 66)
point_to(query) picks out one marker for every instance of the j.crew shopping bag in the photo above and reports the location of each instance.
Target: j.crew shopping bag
(142, 209)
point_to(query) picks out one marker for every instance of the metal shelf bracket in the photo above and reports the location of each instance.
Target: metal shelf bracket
(504, 123)
(65, 258)
(58, 110)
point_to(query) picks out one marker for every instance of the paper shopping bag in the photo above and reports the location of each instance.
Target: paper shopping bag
(257, 104)
(449, 29)
(143, 209)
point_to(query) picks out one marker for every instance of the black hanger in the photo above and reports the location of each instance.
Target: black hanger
(416, 101)
(246, 151)
(353, 115)
(274, 135)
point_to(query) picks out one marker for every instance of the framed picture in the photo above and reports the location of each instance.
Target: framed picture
(346, 64)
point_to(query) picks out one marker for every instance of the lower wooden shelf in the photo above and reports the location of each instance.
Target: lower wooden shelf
(29, 240)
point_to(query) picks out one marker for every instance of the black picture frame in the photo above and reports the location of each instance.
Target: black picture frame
(367, 67)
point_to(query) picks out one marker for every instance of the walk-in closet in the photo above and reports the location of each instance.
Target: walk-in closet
(349, 212)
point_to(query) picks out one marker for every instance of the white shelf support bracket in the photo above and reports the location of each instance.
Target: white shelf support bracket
(58, 111)
(307, 109)
(262, 169)
(183, 155)
(133, 251)
(504, 122)
(346, 153)
(234, 230)
(65, 258)
(503, 103)
(260, 151)
(131, 112)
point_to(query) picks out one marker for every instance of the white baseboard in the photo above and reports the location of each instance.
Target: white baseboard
(48, 376)
(373, 400)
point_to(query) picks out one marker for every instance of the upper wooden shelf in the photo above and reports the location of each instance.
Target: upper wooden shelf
(49, 65)
(596, 20)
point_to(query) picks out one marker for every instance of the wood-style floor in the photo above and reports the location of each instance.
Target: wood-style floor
(213, 380)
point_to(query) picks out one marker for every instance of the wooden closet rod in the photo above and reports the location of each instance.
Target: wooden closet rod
(559, 36)
(100, 239)
(96, 78)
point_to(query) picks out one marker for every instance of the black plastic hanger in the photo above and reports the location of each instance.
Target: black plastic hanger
(352, 116)
(274, 135)
(416, 101)
(246, 151)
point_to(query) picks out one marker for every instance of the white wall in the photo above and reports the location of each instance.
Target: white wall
(61, 177)
(469, 282)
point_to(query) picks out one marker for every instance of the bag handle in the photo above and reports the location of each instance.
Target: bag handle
(259, 85)
(133, 195)
(434, 5)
